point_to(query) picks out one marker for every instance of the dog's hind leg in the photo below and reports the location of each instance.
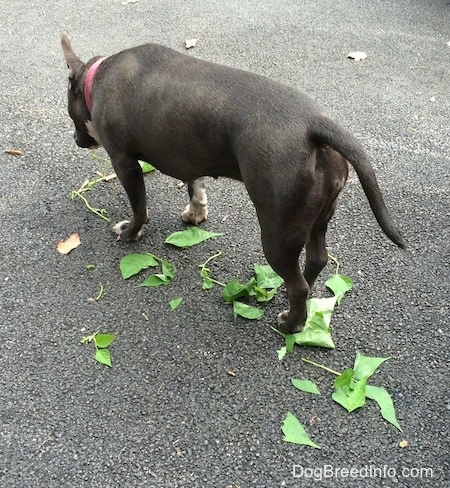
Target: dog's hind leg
(282, 248)
(196, 210)
(335, 172)
(316, 251)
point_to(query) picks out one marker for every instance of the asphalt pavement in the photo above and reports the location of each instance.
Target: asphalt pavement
(195, 397)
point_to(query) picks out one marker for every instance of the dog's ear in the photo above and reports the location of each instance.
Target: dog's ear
(73, 62)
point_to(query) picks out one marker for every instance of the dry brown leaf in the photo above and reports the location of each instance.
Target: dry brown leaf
(403, 443)
(64, 247)
(357, 55)
(190, 43)
(14, 152)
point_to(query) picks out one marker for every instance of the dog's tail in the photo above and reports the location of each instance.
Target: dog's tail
(325, 131)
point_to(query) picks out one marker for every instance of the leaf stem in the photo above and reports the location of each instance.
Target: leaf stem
(97, 211)
(203, 267)
(321, 366)
(335, 261)
(100, 293)
(218, 253)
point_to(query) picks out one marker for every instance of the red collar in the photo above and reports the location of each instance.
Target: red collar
(89, 81)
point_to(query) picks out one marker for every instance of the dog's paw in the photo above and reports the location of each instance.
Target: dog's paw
(125, 233)
(285, 325)
(195, 212)
(121, 226)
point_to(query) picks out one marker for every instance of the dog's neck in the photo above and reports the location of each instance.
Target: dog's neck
(88, 82)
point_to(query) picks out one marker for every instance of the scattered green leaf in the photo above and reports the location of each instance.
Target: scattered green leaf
(350, 394)
(384, 400)
(290, 342)
(351, 385)
(234, 290)
(132, 264)
(104, 340)
(175, 303)
(365, 366)
(282, 353)
(305, 385)
(266, 277)
(160, 279)
(103, 356)
(101, 343)
(146, 167)
(339, 285)
(316, 331)
(190, 237)
(294, 432)
(247, 311)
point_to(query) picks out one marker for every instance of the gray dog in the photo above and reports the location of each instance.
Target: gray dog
(191, 118)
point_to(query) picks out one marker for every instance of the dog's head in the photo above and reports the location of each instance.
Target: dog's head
(78, 110)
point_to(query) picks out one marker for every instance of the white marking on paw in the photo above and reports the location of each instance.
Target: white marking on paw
(120, 226)
(139, 234)
(196, 210)
(282, 317)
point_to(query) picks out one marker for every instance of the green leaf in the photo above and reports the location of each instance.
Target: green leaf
(339, 285)
(161, 279)
(351, 385)
(282, 353)
(365, 366)
(234, 290)
(146, 167)
(261, 294)
(306, 386)
(247, 311)
(190, 237)
(168, 269)
(294, 432)
(384, 400)
(175, 303)
(344, 379)
(103, 356)
(104, 340)
(266, 277)
(351, 398)
(207, 283)
(132, 264)
(156, 280)
(324, 306)
(290, 342)
(315, 333)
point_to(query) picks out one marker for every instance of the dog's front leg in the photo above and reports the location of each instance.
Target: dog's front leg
(196, 210)
(129, 172)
